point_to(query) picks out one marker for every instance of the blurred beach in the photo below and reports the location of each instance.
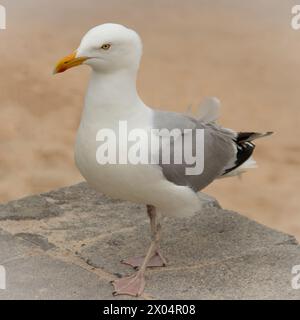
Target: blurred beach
(246, 54)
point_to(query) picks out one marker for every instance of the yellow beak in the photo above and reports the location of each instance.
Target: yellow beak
(68, 62)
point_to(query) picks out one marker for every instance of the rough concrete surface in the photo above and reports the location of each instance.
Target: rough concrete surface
(68, 243)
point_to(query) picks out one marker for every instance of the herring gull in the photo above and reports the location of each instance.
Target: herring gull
(113, 52)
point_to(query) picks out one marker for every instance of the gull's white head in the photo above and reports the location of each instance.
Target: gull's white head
(106, 48)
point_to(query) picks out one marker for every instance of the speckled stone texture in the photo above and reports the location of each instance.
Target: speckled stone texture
(68, 243)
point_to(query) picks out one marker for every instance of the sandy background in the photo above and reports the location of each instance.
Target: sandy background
(245, 54)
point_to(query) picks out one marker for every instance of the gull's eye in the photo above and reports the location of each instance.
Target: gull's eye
(106, 46)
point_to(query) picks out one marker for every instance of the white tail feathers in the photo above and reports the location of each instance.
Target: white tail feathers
(249, 164)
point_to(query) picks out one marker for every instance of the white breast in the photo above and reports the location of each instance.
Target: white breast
(116, 180)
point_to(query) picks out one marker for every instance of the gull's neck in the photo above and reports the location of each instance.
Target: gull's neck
(113, 95)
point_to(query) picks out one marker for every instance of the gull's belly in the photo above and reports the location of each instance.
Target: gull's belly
(127, 182)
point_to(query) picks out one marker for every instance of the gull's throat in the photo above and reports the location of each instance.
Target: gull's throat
(113, 97)
(116, 90)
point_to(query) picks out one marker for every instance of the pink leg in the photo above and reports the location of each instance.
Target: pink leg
(157, 259)
(134, 285)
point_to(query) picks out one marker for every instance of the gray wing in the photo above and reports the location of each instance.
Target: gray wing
(219, 149)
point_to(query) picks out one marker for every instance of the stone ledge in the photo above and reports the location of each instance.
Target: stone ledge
(68, 243)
